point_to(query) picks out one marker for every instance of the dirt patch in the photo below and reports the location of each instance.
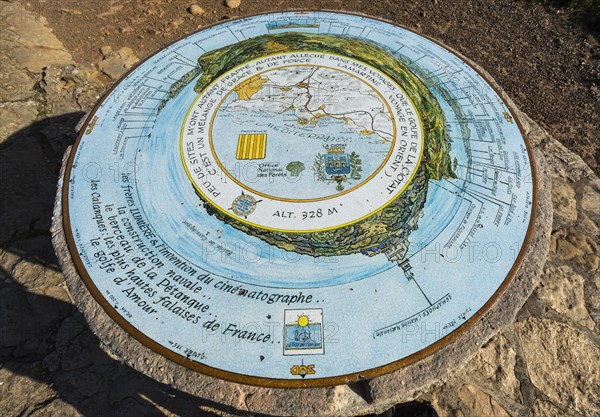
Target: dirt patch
(547, 62)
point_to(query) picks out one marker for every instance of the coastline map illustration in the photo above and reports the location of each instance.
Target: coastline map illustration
(299, 196)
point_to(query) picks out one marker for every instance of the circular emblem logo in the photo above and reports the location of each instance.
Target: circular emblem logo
(243, 205)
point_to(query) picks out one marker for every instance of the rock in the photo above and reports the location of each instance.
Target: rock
(480, 402)
(443, 402)
(563, 290)
(588, 225)
(90, 383)
(562, 363)
(15, 116)
(57, 408)
(595, 299)
(105, 50)
(117, 62)
(565, 250)
(13, 306)
(196, 10)
(589, 246)
(131, 407)
(22, 388)
(590, 199)
(29, 42)
(71, 11)
(591, 262)
(34, 302)
(111, 10)
(77, 351)
(536, 135)
(572, 245)
(496, 363)
(70, 88)
(176, 23)
(564, 203)
(233, 4)
(546, 409)
(563, 163)
(8, 261)
(15, 84)
(35, 277)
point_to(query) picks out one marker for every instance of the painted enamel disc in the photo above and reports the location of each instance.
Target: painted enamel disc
(299, 198)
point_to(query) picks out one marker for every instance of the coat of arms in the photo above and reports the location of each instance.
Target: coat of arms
(337, 166)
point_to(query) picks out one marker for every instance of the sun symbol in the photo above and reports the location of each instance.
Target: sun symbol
(303, 320)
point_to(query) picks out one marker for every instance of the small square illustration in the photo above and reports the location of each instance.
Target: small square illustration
(303, 332)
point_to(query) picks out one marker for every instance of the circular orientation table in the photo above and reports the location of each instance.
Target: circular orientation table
(296, 199)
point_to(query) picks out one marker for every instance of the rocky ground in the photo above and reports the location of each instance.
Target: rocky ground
(56, 58)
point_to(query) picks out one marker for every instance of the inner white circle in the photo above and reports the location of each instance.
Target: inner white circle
(285, 133)
(340, 207)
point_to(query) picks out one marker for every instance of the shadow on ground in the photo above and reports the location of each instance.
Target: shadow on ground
(45, 344)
